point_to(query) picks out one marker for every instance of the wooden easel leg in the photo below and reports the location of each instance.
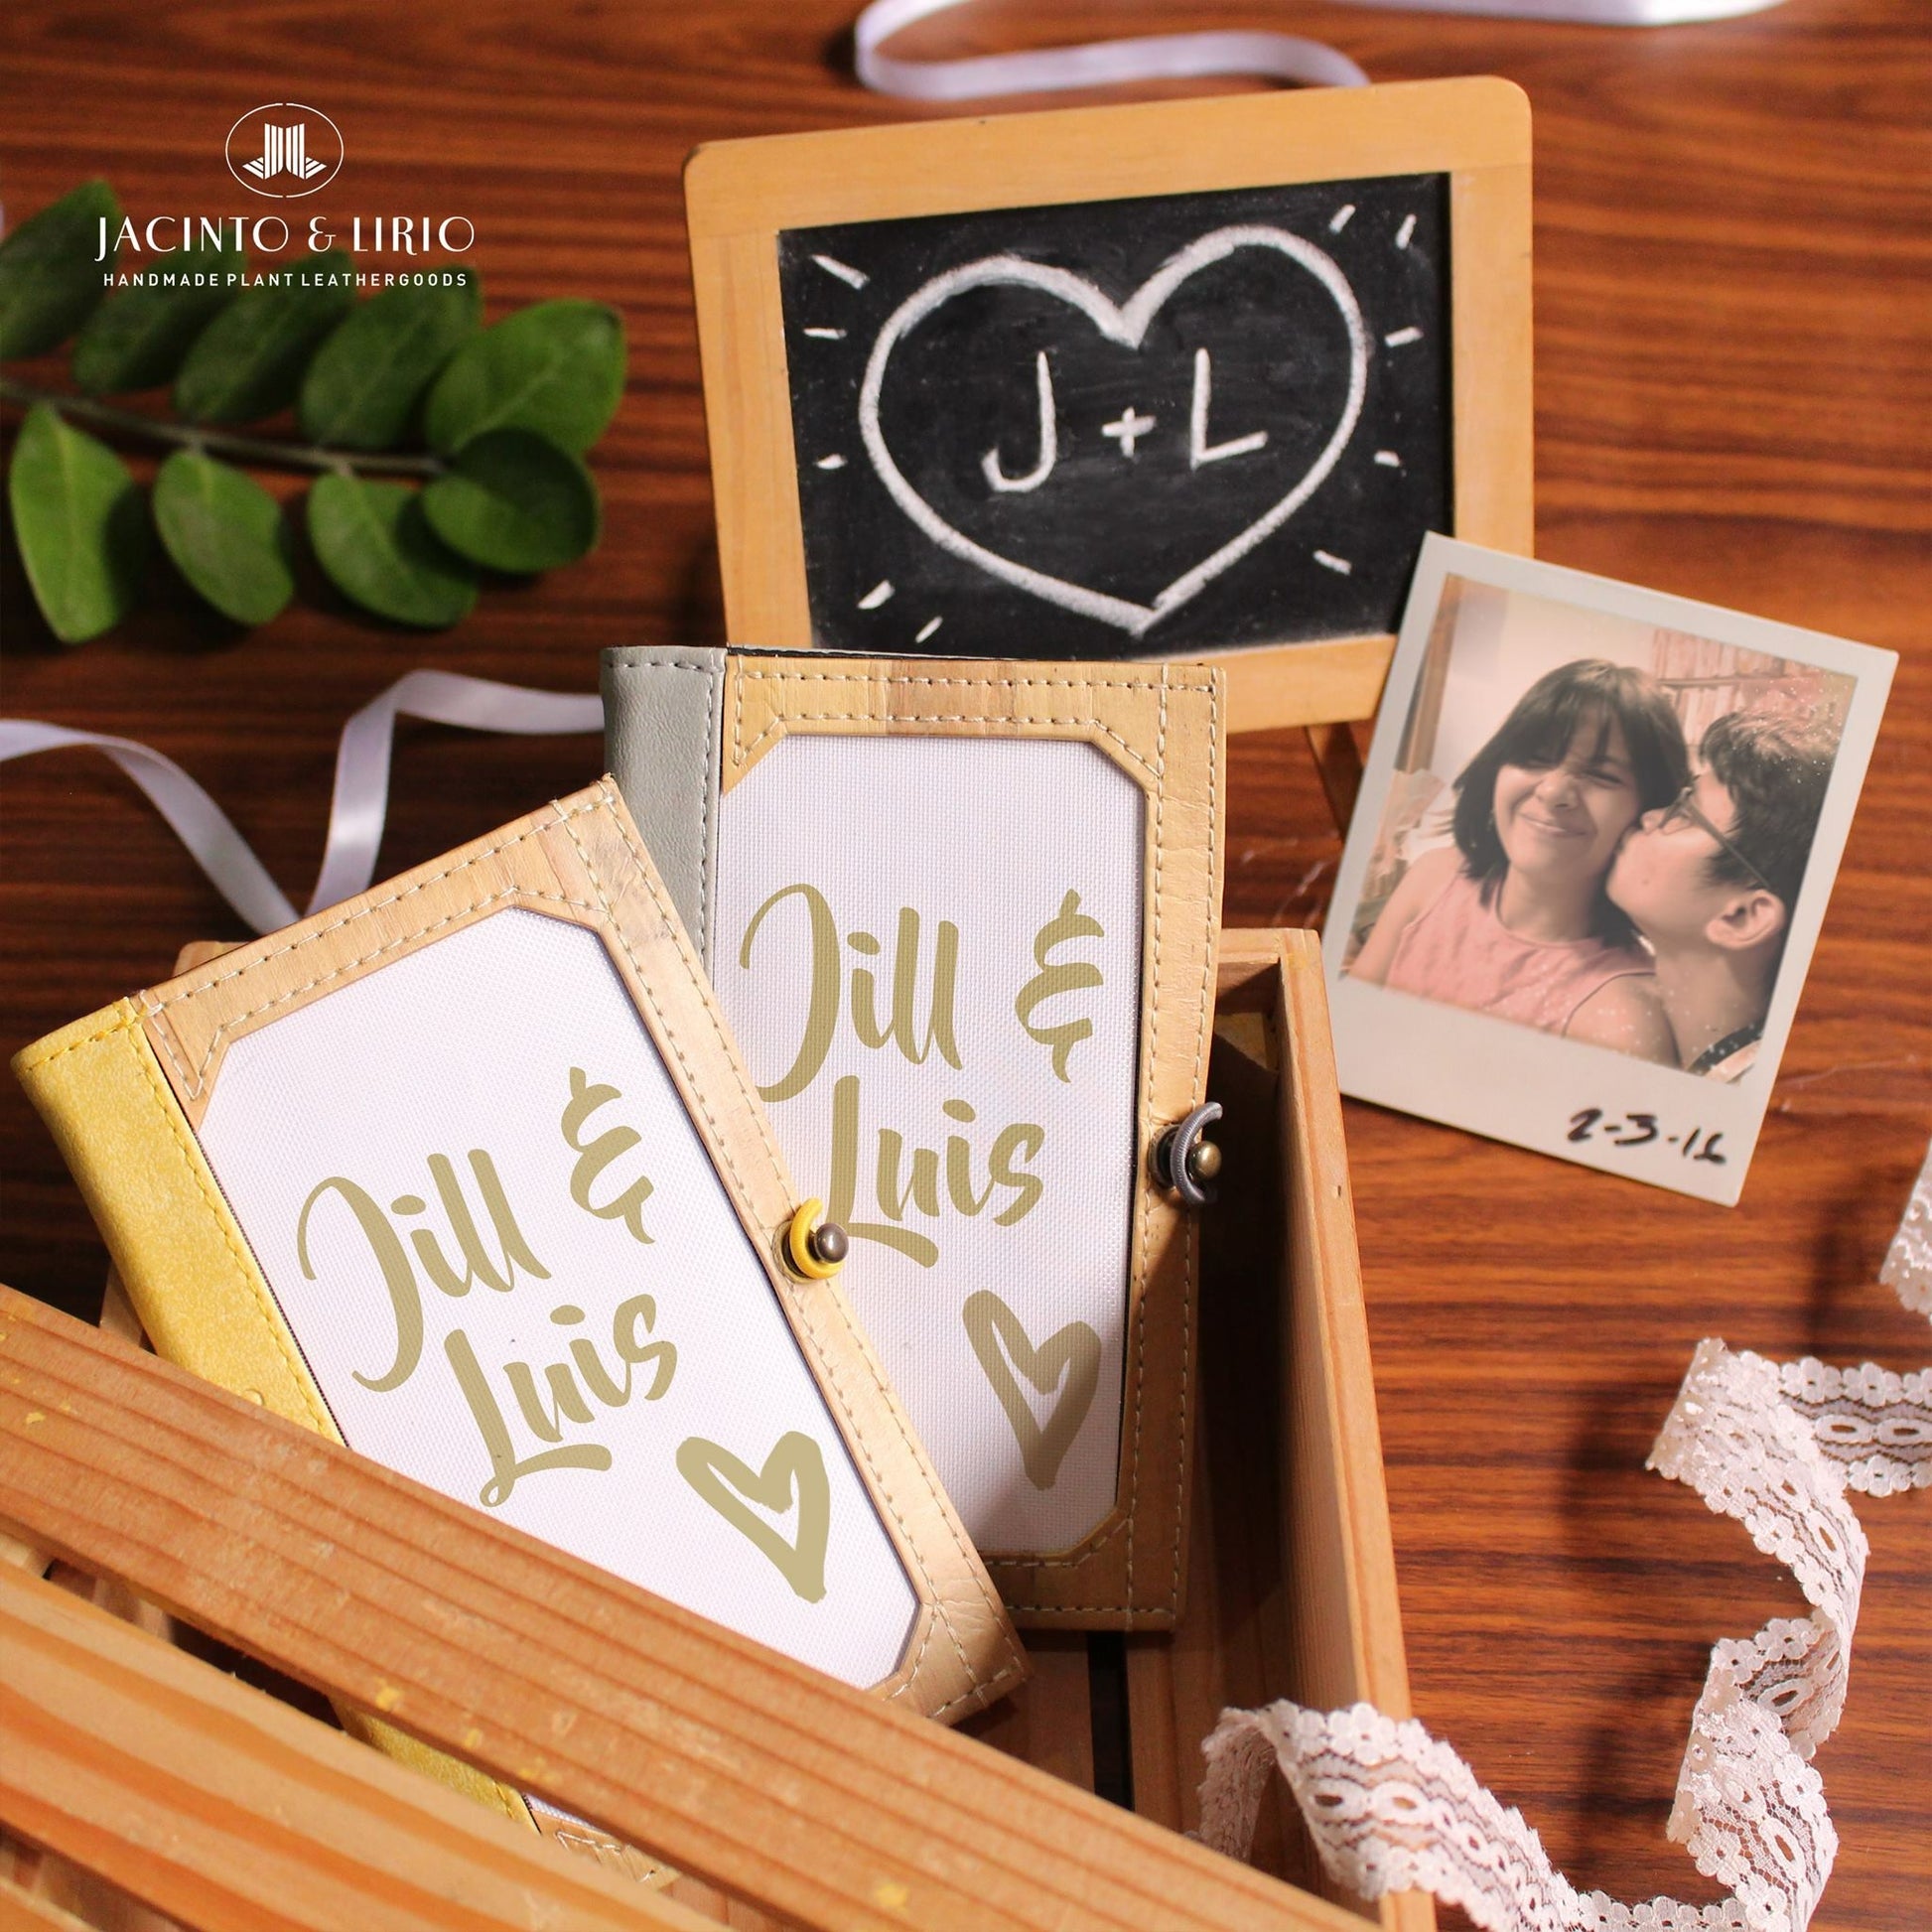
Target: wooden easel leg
(1340, 767)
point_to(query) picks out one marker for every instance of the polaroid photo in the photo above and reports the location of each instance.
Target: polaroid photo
(1597, 834)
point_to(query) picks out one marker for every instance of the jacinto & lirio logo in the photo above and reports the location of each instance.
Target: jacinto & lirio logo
(284, 150)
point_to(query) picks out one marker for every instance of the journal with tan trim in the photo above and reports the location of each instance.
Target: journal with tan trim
(466, 1173)
(962, 918)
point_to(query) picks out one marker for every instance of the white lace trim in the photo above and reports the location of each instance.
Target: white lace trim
(1876, 1425)
(1776, 1446)
(1908, 1267)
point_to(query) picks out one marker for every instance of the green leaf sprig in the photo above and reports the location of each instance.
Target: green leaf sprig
(442, 448)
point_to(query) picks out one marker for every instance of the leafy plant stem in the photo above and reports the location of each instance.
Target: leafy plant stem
(248, 448)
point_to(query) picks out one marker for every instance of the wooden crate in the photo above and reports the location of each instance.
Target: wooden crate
(1293, 1580)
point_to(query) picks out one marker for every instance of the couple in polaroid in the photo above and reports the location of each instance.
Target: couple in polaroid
(1596, 887)
(1596, 832)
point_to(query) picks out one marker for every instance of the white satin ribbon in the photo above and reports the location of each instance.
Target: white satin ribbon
(1164, 57)
(360, 803)
(199, 822)
(361, 797)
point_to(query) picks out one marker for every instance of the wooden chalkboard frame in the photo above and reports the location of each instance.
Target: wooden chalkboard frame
(740, 196)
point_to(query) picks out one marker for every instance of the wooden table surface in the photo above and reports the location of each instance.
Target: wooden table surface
(1733, 348)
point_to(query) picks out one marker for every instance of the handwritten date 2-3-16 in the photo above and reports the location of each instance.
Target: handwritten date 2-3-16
(1640, 1130)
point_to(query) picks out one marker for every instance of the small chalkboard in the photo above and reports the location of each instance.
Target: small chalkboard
(1173, 424)
(1178, 380)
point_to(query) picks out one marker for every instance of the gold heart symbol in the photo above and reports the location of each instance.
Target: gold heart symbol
(793, 1469)
(1074, 1352)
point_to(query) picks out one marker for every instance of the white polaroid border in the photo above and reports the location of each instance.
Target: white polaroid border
(1656, 1124)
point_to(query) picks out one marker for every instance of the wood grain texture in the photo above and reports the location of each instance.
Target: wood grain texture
(223, 1808)
(1733, 381)
(821, 1804)
(1293, 1560)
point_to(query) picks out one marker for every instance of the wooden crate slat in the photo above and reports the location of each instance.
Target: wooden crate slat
(808, 1799)
(717, 1907)
(1335, 1530)
(1150, 1728)
(221, 1806)
(31, 1913)
(1338, 1551)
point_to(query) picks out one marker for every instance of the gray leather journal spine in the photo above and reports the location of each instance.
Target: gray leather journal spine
(661, 744)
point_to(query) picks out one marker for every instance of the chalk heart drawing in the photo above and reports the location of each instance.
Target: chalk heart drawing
(795, 1468)
(1006, 1353)
(1127, 324)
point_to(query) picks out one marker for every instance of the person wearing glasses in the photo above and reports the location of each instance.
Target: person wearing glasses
(1711, 879)
(1512, 919)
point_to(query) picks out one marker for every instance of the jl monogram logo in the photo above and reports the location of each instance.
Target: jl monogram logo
(284, 150)
(284, 147)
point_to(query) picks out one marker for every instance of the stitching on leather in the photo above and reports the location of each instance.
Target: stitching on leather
(1145, 1270)
(1100, 680)
(375, 906)
(34, 1058)
(229, 1025)
(984, 1694)
(713, 750)
(1174, 676)
(844, 717)
(798, 1300)
(194, 1082)
(1196, 1090)
(165, 1033)
(918, 1661)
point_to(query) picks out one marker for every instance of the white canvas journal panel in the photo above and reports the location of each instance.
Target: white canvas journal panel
(691, 1452)
(939, 1000)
